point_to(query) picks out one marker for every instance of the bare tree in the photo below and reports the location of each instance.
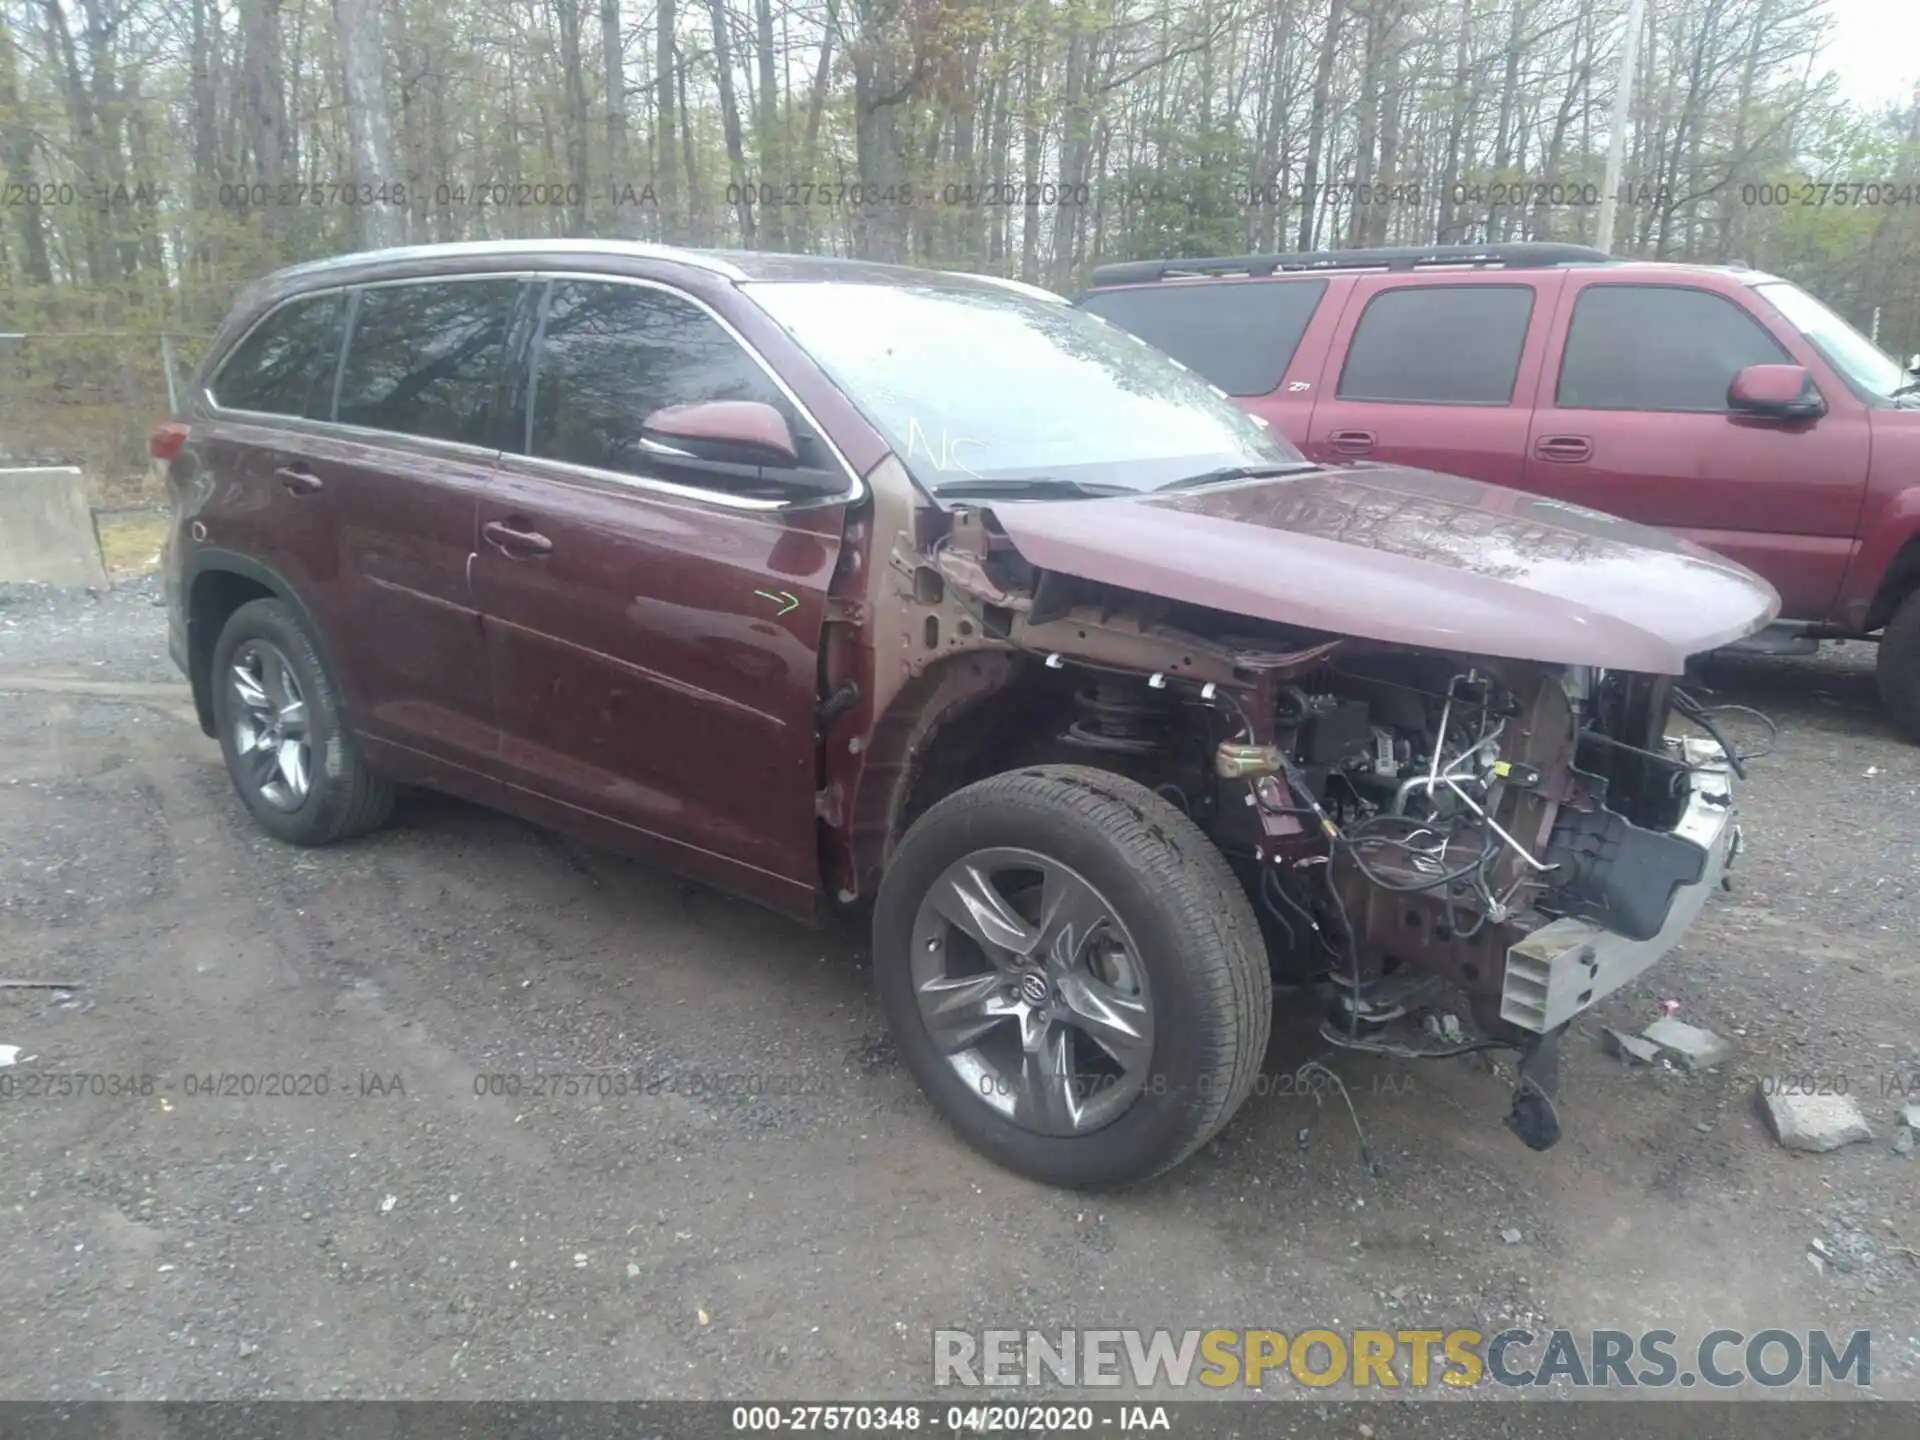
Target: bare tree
(744, 206)
(369, 125)
(35, 262)
(665, 161)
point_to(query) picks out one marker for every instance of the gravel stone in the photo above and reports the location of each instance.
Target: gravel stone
(1688, 1046)
(1816, 1123)
(1629, 1048)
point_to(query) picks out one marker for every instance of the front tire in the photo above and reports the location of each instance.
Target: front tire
(1073, 975)
(288, 752)
(1898, 667)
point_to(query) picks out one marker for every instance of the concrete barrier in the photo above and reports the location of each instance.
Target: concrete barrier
(46, 528)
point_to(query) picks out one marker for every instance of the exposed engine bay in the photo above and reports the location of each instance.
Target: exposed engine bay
(1401, 819)
(1489, 793)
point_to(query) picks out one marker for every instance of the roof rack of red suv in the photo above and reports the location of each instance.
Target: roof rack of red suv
(1525, 255)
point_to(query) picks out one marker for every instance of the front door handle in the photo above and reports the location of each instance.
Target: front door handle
(1568, 449)
(297, 479)
(1351, 442)
(514, 543)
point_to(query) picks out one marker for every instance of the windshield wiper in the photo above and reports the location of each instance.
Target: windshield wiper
(1029, 487)
(1240, 472)
(1912, 387)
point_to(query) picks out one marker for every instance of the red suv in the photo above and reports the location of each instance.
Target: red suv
(1721, 403)
(825, 582)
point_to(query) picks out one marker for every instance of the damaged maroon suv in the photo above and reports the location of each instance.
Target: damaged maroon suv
(829, 583)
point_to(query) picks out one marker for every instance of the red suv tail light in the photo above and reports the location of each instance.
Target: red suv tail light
(167, 438)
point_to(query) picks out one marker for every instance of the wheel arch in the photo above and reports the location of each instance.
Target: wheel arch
(918, 736)
(970, 716)
(219, 583)
(1899, 580)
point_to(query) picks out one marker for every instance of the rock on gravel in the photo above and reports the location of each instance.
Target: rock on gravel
(1690, 1047)
(1629, 1048)
(1817, 1123)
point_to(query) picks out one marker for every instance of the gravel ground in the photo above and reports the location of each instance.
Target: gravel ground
(419, 1230)
(118, 634)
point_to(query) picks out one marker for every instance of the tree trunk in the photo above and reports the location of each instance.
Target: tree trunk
(1738, 161)
(573, 81)
(1542, 226)
(881, 91)
(1458, 113)
(816, 106)
(1317, 123)
(1076, 151)
(1387, 171)
(1030, 164)
(613, 62)
(19, 165)
(730, 121)
(1368, 129)
(1497, 221)
(109, 111)
(770, 141)
(998, 146)
(86, 136)
(696, 217)
(666, 161)
(363, 57)
(263, 102)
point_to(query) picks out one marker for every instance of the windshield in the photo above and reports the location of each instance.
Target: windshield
(1862, 363)
(984, 387)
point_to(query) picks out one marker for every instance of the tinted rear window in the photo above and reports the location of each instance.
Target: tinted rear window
(423, 359)
(285, 366)
(1239, 335)
(1439, 345)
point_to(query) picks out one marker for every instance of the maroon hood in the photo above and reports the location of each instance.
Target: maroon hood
(1414, 558)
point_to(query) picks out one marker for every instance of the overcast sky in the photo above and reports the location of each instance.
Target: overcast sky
(1875, 49)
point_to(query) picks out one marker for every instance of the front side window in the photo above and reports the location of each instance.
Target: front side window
(1658, 347)
(610, 355)
(1439, 345)
(972, 384)
(1241, 335)
(285, 365)
(424, 359)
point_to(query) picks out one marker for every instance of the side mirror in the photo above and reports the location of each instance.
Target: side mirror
(1913, 364)
(745, 446)
(1776, 392)
(720, 432)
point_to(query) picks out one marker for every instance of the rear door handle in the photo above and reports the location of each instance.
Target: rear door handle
(514, 543)
(1350, 442)
(1564, 448)
(297, 479)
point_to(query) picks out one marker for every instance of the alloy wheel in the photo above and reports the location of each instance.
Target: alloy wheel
(272, 742)
(1031, 987)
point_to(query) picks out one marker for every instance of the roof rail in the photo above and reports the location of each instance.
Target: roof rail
(508, 250)
(1515, 255)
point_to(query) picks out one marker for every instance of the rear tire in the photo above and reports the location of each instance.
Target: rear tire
(1898, 667)
(288, 751)
(1160, 954)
